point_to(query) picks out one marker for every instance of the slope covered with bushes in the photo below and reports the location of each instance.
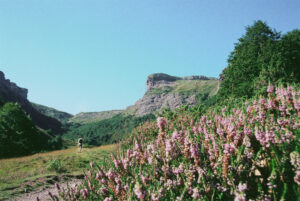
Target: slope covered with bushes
(19, 136)
(244, 151)
(107, 131)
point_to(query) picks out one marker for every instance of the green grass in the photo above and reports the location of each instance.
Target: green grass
(21, 174)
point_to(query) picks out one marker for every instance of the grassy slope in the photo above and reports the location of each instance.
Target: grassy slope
(91, 117)
(51, 112)
(30, 172)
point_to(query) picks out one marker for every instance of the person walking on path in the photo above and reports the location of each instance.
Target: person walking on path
(80, 140)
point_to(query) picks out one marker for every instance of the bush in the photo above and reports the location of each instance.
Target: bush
(241, 152)
(56, 165)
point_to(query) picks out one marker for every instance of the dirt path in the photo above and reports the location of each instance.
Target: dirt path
(42, 193)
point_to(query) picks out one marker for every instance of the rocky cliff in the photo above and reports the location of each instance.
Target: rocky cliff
(165, 91)
(10, 92)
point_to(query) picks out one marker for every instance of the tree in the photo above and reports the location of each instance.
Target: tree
(253, 51)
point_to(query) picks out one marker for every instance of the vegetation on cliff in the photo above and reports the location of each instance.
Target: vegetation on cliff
(19, 136)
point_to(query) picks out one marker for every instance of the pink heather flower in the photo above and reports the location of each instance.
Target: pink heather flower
(229, 148)
(249, 109)
(169, 184)
(239, 197)
(196, 193)
(138, 146)
(103, 181)
(194, 151)
(125, 163)
(242, 187)
(270, 88)
(108, 199)
(169, 147)
(117, 163)
(97, 176)
(295, 159)
(138, 191)
(110, 174)
(101, 172)
(161, 123)
(150, 160)
(84, 193)
(297, 177)
(271, 104)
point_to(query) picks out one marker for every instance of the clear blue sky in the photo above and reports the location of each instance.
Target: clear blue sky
(80, 56)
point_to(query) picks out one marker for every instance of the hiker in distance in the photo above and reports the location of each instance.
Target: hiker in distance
(80, 140)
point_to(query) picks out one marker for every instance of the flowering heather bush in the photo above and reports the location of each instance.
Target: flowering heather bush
(245, 153)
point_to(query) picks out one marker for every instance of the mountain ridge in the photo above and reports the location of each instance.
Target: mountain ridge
(166, 91)
(11, 92)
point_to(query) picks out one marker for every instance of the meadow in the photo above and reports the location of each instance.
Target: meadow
(25, 174)
(242, 151)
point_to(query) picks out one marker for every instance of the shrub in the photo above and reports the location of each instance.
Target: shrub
(55, 165)
(238, 153)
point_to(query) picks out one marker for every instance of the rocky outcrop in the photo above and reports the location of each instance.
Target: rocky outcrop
(165, 91)
(10, 92)
(160, 80)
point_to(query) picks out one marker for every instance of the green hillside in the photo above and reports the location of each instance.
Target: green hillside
(106, 131)
(19, 135)
(51, 112)
(91, 117)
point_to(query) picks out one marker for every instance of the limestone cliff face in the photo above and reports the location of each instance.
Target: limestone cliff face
(8, 88)
(10, 92)
(165, 91)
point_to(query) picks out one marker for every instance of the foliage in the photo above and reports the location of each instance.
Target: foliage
(249, 150)
(56, 165)
(51, 112)
(18, 134)
(106, 131)
(91, 117)
(262, 55)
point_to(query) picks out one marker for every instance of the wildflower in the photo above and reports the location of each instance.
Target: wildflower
(242, 187)
(138, 191)
(229, 148)
(270, 88)
(295, 159)
(161, 123)
(297, 177)
(240, 193)
(169, 147)
(84, 193)
(108, 199)
(104, 191)
(196, 193)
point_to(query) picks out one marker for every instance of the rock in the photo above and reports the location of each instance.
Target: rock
(10, 92)
(165, 91)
